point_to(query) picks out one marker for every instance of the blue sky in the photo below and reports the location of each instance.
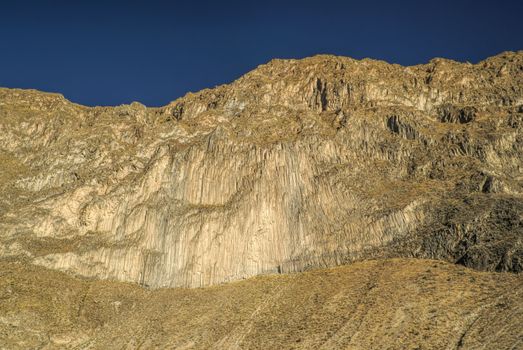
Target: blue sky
(114, 52)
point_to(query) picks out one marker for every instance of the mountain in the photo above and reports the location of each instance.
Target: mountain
(298, 165)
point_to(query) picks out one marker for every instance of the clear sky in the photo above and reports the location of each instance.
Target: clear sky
(114, 52)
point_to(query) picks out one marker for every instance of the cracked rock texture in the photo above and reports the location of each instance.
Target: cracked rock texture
(298, 164)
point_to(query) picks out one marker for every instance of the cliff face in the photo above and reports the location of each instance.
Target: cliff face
(298, 164)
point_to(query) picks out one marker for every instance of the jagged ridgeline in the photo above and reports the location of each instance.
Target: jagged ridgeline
(298, 164)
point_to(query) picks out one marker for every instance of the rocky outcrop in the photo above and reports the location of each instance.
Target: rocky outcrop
(298, 164)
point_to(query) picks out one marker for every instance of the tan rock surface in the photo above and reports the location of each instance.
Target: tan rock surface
(298, 164)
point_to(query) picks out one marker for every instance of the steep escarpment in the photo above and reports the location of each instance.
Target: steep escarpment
(298, 164)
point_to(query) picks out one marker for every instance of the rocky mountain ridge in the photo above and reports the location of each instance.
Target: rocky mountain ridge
(298, 164)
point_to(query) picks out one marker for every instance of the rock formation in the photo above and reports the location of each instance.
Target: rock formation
(298, 164)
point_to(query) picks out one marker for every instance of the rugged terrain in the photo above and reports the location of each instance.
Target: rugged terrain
(297, 165)
(383, 304)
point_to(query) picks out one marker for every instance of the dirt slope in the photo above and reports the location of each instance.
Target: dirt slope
(385, 304)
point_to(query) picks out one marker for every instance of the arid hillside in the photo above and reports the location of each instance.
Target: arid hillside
(412, 177)
(381, 304)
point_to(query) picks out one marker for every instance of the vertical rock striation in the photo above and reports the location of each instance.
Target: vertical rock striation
(298, 164)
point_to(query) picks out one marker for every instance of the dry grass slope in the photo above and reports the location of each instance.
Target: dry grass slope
(386, 304)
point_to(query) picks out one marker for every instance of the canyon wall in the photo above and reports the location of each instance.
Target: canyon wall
(296, 165)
